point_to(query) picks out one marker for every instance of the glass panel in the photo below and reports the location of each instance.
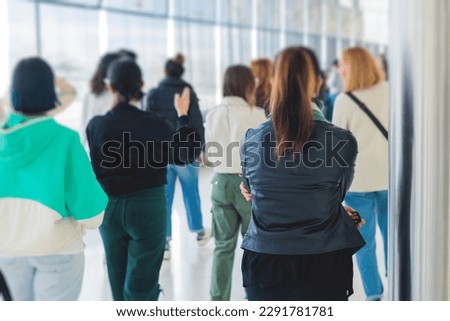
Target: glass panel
(268, 44)
(194, 9)
(314, 16)
(196, 42)
(294, 15)
(331, 54)
(22, 29)
(74, 57)
(315, 44)
(294, 39)
(145, 36)
(268, 13)
(82, 2)
(236, 12)
(145, 6)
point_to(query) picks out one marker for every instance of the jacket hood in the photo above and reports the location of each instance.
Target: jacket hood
(23, 139)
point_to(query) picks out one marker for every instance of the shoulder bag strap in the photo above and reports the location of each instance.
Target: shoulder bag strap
(370, 114)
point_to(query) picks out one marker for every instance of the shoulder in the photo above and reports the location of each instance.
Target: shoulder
(262, 129)
(337, 133)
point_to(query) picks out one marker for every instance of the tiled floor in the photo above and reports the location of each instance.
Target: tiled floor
(186, 276)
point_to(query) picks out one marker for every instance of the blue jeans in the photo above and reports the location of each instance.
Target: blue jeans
(44, 278)
(188, 176)
(373, 206)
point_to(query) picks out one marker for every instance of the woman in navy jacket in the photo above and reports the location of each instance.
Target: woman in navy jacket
(298, 168)
(160, 101)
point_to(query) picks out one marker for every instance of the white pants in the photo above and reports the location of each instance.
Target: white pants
(44, 278)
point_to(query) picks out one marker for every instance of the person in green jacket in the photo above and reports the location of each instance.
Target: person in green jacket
(49, 194)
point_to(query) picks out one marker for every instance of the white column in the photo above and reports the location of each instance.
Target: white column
(103, 28)
(218, 51)
(339, 21)
(323, 33)
(419, 196)
(170, 29)
(283, 28)
(254, 29)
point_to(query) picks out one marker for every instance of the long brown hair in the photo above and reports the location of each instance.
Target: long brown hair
(239, 81)
(290, 101)
(364, 71)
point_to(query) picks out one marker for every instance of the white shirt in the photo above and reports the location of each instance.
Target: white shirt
(226, 125)
(93, 105)
(371, 171)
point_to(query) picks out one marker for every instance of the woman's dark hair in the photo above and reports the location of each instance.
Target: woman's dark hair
(238, 81)
(97, 83)
(33, 87)
(174, 67)
(125, 76)
(127, 53)
(290, 100)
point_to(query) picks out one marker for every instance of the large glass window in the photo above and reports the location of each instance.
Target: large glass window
(194, 9)
(236, 12)
(197, 43)
(268, 13)
(147, 37)
(73, 57)
(294, 15)
(158, 7)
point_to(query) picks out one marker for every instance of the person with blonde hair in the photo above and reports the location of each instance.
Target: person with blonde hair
(300, 239)
(262, 70)
(363, 109)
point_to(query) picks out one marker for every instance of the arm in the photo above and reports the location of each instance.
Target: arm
(340, 118)
(85, 199)
(196, 117)
(348, 152)
(151, 100)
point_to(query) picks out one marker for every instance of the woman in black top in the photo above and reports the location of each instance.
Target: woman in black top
(130, 150)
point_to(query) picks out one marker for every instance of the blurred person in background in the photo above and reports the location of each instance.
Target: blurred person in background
(262, 70)
(226, 125)
(363, 110)
(160, 101)
(98, 100)
(130, 150)
(49, 194)
(300, 240)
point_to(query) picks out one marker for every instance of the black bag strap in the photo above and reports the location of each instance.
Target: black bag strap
(370, 114)
(4, 291)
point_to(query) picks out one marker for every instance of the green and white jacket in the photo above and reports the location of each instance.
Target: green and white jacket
(48, 191)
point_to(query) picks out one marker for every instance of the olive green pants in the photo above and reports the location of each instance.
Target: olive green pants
(134, 235)
(230, 213)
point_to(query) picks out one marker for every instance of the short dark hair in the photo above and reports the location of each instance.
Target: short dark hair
(33, 87)
(125, 76)
(174, 67)
(238, 80)
(127, 53)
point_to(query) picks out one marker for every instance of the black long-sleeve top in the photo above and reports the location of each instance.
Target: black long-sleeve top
(130, 148)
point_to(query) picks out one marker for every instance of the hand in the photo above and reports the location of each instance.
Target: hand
(350, 212)
(182, 102)
(247, 195)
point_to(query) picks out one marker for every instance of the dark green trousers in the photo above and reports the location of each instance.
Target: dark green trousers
(134, 235)
(231, 215)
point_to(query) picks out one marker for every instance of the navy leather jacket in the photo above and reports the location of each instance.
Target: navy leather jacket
(297, 204)
(160, 100)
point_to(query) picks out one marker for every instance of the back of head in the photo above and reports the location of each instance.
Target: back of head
(127, 53)
(262, 69)
(125, 77)
(97, 83)
(363, 71)
(239, 81)
(292, 91)
(174, 67)
(33, 88)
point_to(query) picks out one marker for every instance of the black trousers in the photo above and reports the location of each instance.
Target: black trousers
(312, 277)
(4, 291)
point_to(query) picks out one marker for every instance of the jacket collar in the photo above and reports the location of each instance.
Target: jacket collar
(172, 81)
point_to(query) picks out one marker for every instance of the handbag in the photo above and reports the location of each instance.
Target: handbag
(370, 114)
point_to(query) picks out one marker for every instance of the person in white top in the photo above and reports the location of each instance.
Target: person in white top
(98, 100)
(368, 194)
(226, 125)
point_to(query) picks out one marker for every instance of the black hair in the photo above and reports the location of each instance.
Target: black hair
(335, 62)
(174, 67)
(125, 77)
(97, 83)
(315, 62)
(33, 87)
(127, 53)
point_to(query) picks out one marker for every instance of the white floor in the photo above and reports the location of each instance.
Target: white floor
(186, 276)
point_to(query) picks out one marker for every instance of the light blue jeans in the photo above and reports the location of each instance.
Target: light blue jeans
(373, 207)
(44, 278)
(188, 176)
